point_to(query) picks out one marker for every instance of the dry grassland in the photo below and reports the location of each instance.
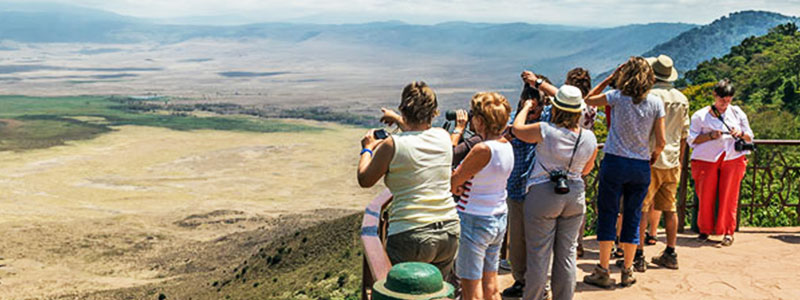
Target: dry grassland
(130, 207)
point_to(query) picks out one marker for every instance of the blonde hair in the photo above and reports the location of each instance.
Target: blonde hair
(562, 118)
(418, 103)
(493, 109)
(635, 78)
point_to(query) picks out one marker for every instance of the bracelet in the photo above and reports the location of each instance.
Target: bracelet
(457, 131)
(366, 150)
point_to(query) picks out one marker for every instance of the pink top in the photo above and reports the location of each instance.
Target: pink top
(704, 121)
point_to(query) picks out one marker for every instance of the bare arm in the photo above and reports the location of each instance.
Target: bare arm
(461, 125)
(661, 140)
(372, 167)
(530, 78)
(529, 133)
(475, 161)
(712, 135)
(596, 96)
(391, 117)
(590, 164)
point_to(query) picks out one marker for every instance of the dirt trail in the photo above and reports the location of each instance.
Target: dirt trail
(134, 206)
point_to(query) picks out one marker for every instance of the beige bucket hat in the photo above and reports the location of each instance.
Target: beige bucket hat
(569, 98)
(663, 68)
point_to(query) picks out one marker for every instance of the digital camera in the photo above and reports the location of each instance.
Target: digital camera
(742, 145)
(450, 115)
(560, 178)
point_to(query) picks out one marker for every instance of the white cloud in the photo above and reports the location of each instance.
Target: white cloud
(571, 12)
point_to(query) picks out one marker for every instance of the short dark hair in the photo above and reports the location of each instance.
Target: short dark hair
(580, 78)
(528, 92)
(724, 88)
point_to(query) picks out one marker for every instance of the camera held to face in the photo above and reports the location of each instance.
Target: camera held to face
(742, 145)
(560, 178)
(450, 115)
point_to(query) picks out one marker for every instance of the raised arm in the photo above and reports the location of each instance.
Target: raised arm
(529, 133)
(530, 78)
(475, 161)
(374, 163)
(391, 117)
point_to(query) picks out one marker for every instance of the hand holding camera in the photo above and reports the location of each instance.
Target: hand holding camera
(461, 120)
(369, 141)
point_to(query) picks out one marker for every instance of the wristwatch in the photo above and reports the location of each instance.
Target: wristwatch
(538, 82)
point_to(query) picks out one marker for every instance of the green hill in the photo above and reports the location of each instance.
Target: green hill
(714, 40)
(766, 73)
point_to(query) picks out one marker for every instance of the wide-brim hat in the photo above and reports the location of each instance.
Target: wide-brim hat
(663, 67)
(412, 281)
(570, 99)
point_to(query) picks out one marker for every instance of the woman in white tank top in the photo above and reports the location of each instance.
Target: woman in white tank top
(482, 206)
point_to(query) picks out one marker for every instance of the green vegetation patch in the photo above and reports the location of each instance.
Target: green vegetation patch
(35, 123)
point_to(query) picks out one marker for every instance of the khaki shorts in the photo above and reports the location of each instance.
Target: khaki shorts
(662, 190)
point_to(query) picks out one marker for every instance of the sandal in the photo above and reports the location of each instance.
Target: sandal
(650, 240)
(618, 253)
(727, 240)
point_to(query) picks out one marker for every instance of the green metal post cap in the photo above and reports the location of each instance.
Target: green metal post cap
(412, 281)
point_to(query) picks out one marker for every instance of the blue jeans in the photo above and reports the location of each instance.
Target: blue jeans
(479, 248)
(627, 178)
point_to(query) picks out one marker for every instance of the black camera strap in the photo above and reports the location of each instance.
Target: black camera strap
(719, 116)
(574, 150)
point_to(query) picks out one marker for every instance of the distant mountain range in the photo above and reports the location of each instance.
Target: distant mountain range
(716, 39)
(499, 49)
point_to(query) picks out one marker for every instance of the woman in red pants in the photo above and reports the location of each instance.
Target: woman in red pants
(718, 165)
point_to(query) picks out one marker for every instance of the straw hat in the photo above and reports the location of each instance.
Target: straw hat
(412, 281)
(663, 68)
(569, 98)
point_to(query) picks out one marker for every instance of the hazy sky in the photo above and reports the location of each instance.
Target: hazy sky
(571, 12)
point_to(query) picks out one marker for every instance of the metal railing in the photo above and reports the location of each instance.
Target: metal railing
(772, 179)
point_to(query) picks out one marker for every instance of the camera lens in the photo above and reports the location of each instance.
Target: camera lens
(450, 115)
(562, 187)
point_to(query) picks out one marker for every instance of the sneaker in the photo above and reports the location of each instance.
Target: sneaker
(727, 240)
(639, 264)
(669, 261)
(505, 265)
(514, 291)
(702, 237)
(600, 277)
(627, 277)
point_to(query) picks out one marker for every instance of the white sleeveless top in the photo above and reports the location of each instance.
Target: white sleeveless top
(419, 179)
(487, 195)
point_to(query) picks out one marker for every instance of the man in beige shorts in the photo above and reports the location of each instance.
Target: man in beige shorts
(666, 171)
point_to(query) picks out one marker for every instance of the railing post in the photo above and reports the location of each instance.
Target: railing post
(683, 188)
(376, 263)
